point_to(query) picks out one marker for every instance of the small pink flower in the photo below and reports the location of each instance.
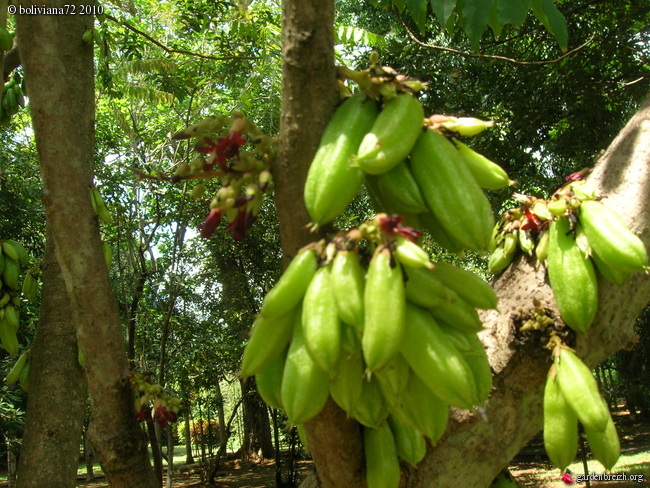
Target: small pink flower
(567, 478)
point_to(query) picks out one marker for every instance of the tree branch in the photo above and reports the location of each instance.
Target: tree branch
(491, 56)
(513, 413)
(170, 50)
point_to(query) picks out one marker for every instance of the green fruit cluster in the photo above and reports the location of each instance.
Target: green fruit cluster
(411, 166)
(13, 256)
(244, 174)
(576, 235)
(570, 396)
(368, 319)
(12, 98)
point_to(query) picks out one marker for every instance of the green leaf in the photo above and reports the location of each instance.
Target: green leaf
(148, 94)
(347, 34)
(512, 11)
(475, 16)
(385, 4)
(418, 9)
(553, 20)
(443, 10)
(494, 22)
(399, 4)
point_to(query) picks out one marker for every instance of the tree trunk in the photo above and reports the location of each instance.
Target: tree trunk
(59, 71)
(53, 423)
(309, 95)
(514, 410)
(189, 458)
(257, 442)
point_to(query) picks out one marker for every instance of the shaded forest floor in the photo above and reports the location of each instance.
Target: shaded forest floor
(531, 468)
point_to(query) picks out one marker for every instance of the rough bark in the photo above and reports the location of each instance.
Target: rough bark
(59, 72)
(54, 423)
(472, 449)
(257, 443)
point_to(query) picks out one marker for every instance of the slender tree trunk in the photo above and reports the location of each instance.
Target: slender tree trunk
(53, 425)
(257, 443)
(309, 96)
(189, 458)
(59, 72)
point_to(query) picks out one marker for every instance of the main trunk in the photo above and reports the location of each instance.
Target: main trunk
(59, 74)
(53, 425)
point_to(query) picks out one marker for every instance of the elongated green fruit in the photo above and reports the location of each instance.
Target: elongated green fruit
(436, 230)
(502, 256)
(4, 299)
(411, 254)
(10, 251)
(560, 426)
(371, 409)
(11, 274)
(420, 409)
(269, 382)
(347, 385)
(305, 386)
(451, 192)
(30, 287)
(107, 250)
(321, 324)
(331, 182)
(409, 442)
(382, 463)
(400, 188)
(611, 238)
(488, 174)
(23, 256)
(8, 337)
(14, 373)
(269, 337)
(572, 278)
(471, 347)
(393, 377)
(470, 286)
(12, 316)
(580, 390)
(23, 380)
(348, 280)
(605, 446)
(541, 249)
(424, 288)
(437, 362)
(611, 274)
(458, 313)
(99, 205)
(392, 136)
(302, 435)
(384, 303)
(292, 285)
(6, 39)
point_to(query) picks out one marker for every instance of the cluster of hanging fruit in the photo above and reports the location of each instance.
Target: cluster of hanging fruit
(244, 174)
(367, 318)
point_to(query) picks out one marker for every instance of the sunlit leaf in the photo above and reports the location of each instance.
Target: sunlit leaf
(553, 20)
(443, 9)
(418, 10)
(475, 16)
(512, 11)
